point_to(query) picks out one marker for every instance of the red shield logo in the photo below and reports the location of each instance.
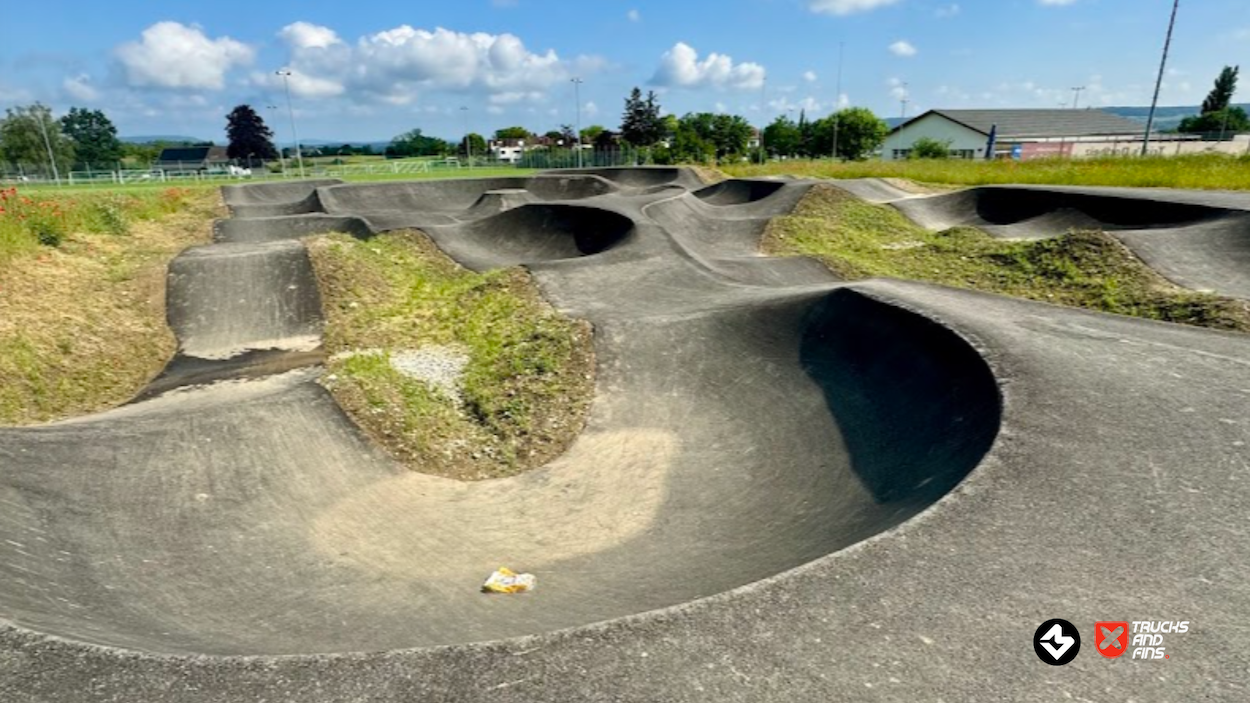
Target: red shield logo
(1111, 638)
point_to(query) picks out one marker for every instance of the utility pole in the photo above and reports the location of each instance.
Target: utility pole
(286, 83)
(837, 99)
(905, 99)
(577, 98)
(1154, 104)
(468, 143)
(1077, 99)
(43, 127)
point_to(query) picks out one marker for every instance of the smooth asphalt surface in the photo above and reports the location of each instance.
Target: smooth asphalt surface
(789, 488)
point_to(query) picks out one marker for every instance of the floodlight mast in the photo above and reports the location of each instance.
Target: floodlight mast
(286, 83)
(577, 98)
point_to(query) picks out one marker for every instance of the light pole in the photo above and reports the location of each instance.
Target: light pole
(577, 98)
(763, 117)
(468, 143)
(1154, 104)
(837, 100)
(1077, 99)
(904, 95)
(286, 83)
(43, 127)
(281, 161)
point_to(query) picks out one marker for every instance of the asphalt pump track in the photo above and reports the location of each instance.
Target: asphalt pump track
(789, 487)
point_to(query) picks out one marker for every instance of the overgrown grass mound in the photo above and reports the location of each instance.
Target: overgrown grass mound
(522, 394)
(82, 295)
(1087, 269)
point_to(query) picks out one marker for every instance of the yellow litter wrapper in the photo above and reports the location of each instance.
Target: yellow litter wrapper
(505, 580)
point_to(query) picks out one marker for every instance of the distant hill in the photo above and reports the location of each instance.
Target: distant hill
(1166, 118)
(149, 138)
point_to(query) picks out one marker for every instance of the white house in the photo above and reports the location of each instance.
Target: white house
(1020, 134)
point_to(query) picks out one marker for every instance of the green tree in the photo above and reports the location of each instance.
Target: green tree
(860, 132)
(641, 124)
(512, 133)
(476, 141)
(249, 137)
(781, 137)
(94, 136)
(27, 132)
(930, 148)
(1231, 120)
(1218, 113)
(142, 154)
(1221, 95)
(591, 134)
(414, 143)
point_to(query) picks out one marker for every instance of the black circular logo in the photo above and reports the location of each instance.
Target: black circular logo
(1056, 642)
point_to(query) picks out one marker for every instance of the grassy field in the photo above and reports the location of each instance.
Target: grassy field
(82, 291)
(214, 183)
(1087, 269)
(511, 380)
(1206, 172)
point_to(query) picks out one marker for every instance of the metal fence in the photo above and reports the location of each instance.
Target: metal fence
(180, 172)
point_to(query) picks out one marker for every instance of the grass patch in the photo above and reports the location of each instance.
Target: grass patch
(527, 383)
(82, 321)
(1213, 171)
(1086, 269)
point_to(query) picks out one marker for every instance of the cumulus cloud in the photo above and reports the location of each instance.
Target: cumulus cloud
(179, 56)
(396, 64)
(809, 76)
(947, 11)
(903, 48)
(680, 67)
(634, 15)
(1056, 3)
(846, 7)
(79, 88)
(304, 35)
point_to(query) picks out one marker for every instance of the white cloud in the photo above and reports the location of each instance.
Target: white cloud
(1055, 3)
(590, 109)
(680, 67)
(174, 55)
(947, 11)
(903, 48)
(396, 65)
(634, 15)
(304, 35)
(809, 76)
(79, 88)
(846, 7)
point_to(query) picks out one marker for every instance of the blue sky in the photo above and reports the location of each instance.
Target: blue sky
(367, 70)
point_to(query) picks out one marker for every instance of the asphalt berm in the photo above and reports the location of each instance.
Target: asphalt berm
(789, 487)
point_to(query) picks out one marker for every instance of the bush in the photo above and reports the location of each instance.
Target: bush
(929, 148)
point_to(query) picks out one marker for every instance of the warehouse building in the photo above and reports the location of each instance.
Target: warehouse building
(1019, 134)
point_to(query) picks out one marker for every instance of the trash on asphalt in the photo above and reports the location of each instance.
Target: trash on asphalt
(505, 580)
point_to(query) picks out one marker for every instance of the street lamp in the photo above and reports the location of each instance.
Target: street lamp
(468, 143)
(577, 98)
(286, 83)
(1077, 99)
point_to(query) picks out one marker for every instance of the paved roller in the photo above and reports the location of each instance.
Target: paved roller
(799, 490)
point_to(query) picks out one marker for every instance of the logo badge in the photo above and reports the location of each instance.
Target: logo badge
(1056, 642)
(1111, 638)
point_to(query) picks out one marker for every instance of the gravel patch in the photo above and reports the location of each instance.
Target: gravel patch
(441, 367)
